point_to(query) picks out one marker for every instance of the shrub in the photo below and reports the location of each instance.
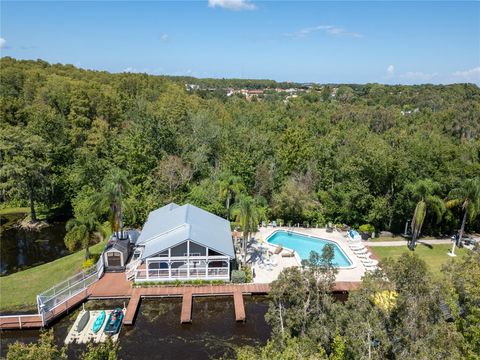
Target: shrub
(367, 228)
(239, 276)
(177, 283)
(248, 274)
(88, 263)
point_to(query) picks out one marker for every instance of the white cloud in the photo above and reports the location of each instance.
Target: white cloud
(235, 5)
(390, 71)
(3, 42)
(418, 75)
(327, 29)
(164, 37)
(470, 75)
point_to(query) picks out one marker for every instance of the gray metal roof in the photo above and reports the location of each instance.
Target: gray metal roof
(133, 235)
(118, 245)
(173, 224)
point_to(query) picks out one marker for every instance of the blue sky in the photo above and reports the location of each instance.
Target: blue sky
(343, 42)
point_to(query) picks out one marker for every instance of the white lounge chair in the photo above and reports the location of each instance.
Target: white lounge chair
(364, 255)
(360, 251)
(369, 262)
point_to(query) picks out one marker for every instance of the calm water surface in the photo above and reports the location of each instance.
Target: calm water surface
(304, 244)
(21, 249)
(158, 334)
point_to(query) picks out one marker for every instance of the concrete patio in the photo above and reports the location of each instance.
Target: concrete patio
(267, 265)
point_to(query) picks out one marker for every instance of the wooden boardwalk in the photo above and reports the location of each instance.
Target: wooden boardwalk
(186, 315)
(115, 286)
(34, 321)
(132, 308)
(239, 307)
(188, 292)
(21, 322)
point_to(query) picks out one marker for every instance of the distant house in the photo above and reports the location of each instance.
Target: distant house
(183, 242)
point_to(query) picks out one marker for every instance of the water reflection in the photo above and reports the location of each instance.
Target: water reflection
(20, 248)
(158, 334)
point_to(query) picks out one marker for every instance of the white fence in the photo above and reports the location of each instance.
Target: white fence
(181, 274)
(62, 292)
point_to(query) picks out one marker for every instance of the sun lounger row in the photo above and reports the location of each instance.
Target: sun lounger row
(363, 254)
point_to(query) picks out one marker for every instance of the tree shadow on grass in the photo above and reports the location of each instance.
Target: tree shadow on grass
(427, 245)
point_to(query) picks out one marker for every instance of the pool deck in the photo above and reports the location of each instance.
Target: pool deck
(269, 274)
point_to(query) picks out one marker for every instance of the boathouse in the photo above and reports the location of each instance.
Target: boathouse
(119, 249)
(183, 242)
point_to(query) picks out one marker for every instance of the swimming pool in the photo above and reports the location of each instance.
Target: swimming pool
(303, 244)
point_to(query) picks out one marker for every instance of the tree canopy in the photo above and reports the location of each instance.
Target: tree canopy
(335, 153)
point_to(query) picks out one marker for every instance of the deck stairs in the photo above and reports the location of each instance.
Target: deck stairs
(131, 268)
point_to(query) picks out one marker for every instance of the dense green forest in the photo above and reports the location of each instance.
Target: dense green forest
(350, 154)
(400, 312)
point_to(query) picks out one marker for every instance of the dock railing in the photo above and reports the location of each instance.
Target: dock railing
(57, 295)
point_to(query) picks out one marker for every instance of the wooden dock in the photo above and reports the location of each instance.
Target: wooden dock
(115, 286)
(20, 322)
(132, 308)
(186, 316)
(239, 307)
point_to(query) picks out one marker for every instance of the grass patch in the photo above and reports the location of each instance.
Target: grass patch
(14, 210)
(387, 238)
(434, 255)
(401, 238)
(18, 291)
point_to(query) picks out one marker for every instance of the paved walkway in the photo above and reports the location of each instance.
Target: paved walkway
(404, 242)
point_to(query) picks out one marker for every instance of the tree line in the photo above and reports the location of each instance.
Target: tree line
(400, 312)
(356, 155)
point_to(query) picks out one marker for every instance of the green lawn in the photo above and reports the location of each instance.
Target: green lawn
(434, 255)
(18, 291)
(17, 210)
(387, 238)
(398, 238)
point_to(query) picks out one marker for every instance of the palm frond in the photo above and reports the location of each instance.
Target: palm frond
(452, 203)
(437, 205)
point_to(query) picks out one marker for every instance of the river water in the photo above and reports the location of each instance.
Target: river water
(20, 249)
(158, 334)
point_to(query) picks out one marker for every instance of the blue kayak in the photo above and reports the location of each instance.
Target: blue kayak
(97, 325)
(114, 322)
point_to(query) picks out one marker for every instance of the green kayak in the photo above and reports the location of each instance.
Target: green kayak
(97, 325)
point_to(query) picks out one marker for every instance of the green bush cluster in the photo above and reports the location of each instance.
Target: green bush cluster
(239, 276)
(177, 283)
(367, 228)
(248, 274)
(88, 263)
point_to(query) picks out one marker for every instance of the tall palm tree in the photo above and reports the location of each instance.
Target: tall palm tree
(81, 231)
(230, 186)
(468, 196)
(248, 213)
(424, 191)
(112, 198)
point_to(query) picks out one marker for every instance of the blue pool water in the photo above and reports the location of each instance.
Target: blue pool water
(304, 244)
